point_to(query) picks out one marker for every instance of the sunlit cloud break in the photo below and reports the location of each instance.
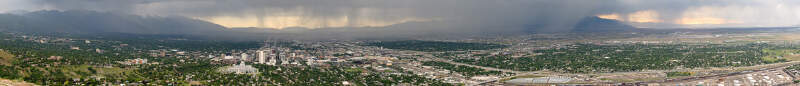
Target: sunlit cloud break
(310, 22)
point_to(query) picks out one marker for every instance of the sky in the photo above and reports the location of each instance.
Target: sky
(444, 15)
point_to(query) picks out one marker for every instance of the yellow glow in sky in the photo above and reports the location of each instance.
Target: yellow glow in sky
(286, 21)
(701, 20)
(647, 16)
(702, 15)
(613, 16)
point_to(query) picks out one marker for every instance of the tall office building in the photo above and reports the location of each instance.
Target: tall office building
(261, 57)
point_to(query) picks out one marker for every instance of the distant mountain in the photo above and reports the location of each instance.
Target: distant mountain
(597, 24)
(111, 24)
(93, 22)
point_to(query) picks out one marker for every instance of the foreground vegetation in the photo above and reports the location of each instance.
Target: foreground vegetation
(678, 74)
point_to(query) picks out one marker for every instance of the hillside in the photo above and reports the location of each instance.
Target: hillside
(6, 58)
(6, 82)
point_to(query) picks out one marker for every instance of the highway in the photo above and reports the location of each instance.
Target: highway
(752, 69)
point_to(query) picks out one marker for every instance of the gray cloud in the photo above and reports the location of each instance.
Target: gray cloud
(464, 17)
(471, 13)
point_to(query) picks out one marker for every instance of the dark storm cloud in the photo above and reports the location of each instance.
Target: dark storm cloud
(463, 13)
(546, 13)
(450, 17)
(123, 6)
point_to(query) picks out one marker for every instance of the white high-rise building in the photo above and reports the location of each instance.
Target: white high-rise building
(261, 57)
(272, 59)
(244, 56)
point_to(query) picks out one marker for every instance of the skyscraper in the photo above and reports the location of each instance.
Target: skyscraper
(261, 57)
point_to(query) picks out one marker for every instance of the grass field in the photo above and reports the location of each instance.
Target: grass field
(84, 71)
(788, 54)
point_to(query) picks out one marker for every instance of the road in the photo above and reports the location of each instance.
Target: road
(753, 69)
(770, 74)
(524, 73)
